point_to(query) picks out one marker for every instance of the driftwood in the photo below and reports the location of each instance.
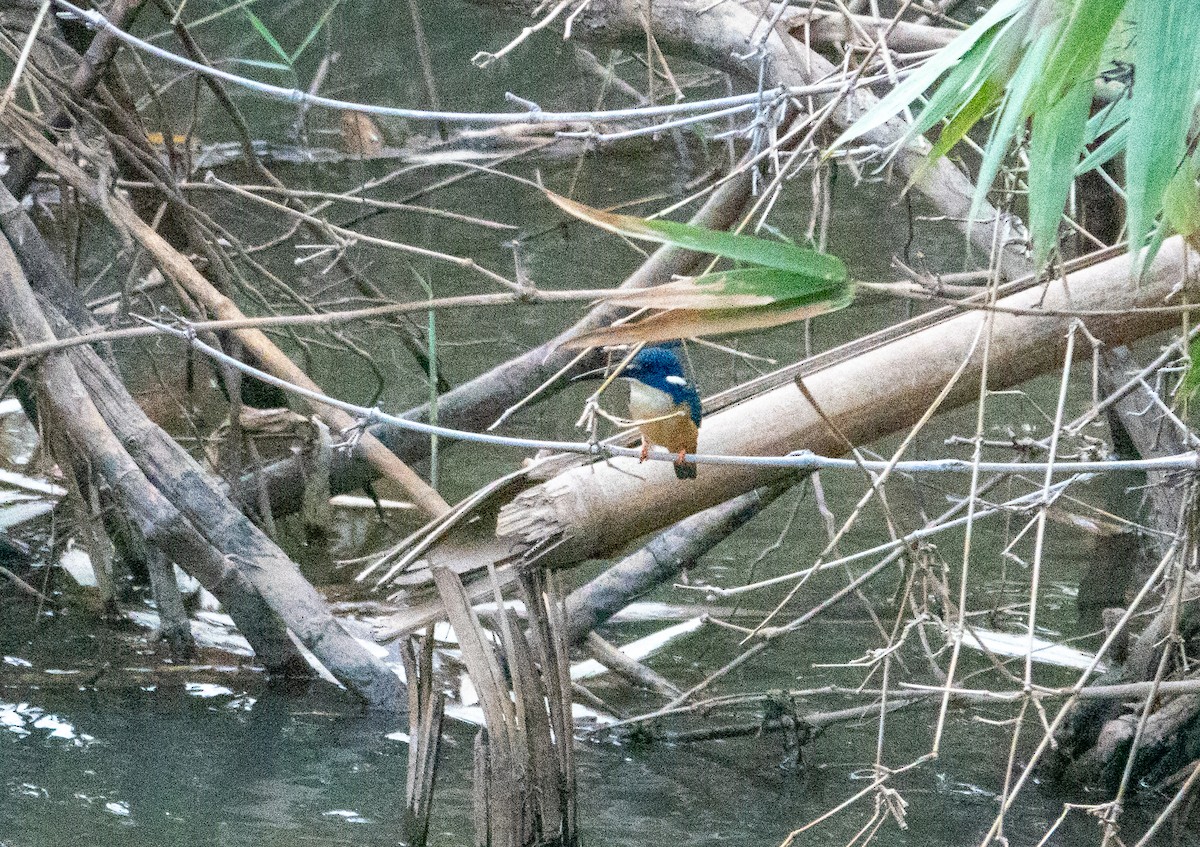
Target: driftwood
(275, 576)
(173, 627)
(660, 560)
(159, 521)
(1095, 738)
(523, 791)
(179, 270)
(122, 119)
(829, 28)
(1142, 414)
(211, 538)
(426, 711)
(178, 508)
(634, 671)
(262, 628)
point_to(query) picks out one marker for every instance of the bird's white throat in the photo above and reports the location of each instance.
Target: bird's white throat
(648, 402)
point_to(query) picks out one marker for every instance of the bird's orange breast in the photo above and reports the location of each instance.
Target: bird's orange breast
(676, 433)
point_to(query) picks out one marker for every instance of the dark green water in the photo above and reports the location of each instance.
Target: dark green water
(149, 767)
(148, 761)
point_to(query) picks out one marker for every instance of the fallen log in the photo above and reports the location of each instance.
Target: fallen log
(660, 560)
(179, 270)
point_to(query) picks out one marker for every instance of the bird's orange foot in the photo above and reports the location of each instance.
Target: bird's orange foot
(679, 458)
(645, 451)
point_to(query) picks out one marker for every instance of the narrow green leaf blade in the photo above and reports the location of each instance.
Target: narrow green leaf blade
(1181, 201)
(820, 267)
(312, 33)
(967, 117)
(1106, 151)
(259, 63)
(1164, 93)
(1053, 153)
(912, 87)
(962, 82)
(1191, 379)
(1108, 119)
(1012, 115)
(265, 34)
(1077, 49)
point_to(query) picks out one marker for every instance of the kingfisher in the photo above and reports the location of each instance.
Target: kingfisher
(666, 405)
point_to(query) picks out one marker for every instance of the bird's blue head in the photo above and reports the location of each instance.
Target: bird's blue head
(660, 368)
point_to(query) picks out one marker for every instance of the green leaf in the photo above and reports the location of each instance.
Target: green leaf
(820, 267)
(967, 117)
(258, 63)
(1112, 116)
(925, 76)
(1181, 201)
(736, 288)
(1106, 151)
(1112, 120)
(261, 29)
(1012, 116)
(1077, 49)
(220, 13)
(785, 283)
(964, 80)
(1054, 149)
(1164, 92)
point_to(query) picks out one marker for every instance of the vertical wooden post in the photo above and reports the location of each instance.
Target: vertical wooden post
(524, 790)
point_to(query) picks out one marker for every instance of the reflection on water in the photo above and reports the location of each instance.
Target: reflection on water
(193, 765)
